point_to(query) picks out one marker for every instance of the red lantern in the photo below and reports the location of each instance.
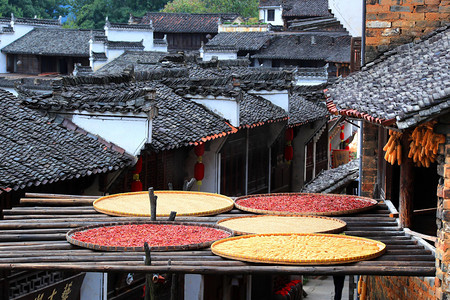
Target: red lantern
(347, 144)
(341, 135)
(289, 134)
(288, 152)
(199, 149)
(136, 184)
(199, 168)
(199, 171)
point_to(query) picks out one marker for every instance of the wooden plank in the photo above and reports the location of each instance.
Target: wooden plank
(62, 196)
(56, 201)
(356, 269)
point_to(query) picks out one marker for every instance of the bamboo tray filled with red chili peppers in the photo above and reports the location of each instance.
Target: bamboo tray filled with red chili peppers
(160, 235)
(304, 204)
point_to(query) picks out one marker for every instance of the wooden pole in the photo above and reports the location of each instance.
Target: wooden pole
(406, 185)
(153, 200)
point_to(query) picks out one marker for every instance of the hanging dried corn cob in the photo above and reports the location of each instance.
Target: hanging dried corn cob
(424, 144)
(393, 148)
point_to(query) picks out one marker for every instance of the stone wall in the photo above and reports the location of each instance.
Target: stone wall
(369, 159)
(400, 287)
(443, 213)
(391, 23)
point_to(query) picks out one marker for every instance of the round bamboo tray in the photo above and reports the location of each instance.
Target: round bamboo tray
(137, 204)
(70, 237)
(319, 200)
(298, 249)
(263, 224)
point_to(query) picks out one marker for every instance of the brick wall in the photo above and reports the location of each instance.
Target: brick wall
(369, 159)
(443, 214)
(390, 23)
(400, 287)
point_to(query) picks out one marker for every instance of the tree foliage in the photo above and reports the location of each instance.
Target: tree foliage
(45, 9)
(91, 14)
(247, 8)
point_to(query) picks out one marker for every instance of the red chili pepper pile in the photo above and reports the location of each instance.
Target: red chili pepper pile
(156, 235)
(305, 203)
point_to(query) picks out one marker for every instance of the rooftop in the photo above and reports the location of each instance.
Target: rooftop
(37, 149)
(406, 85)
(52, 41)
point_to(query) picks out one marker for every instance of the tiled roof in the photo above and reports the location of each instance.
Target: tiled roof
(329, 23)
(333, 180)
(186, 23)
(181, 122)
(52, 41)
(130, 26)
(159, 41)
(99, 55)
(255, 110)
(333, 47)
(7, 29)
(239, 40)
(125, 45)
(405, 85)
(32, 21)
(95, 97)
(305, 8)
(306, 104)
(141, 60)
(263, 3)
(38, 150)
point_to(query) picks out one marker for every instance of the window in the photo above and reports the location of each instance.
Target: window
(270, 15)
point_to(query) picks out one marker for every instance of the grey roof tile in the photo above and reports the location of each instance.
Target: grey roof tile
(52, 41)
(238, 40)
(333, 180)
(185, 22)
(404, 82)
(306, 105)
(332, 47)
(256, 110)
(36, 150)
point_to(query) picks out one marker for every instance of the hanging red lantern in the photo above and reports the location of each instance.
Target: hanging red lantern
(199, 171)
(199, 149)
(199, 168)
(341, 135)
(288, 152)
(289, 134)
(347, 144)
(136, 184)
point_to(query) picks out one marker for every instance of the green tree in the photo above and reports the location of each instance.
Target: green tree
(46, 9)
(246, 8)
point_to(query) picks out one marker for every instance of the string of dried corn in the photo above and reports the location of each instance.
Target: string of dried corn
(393, 148)
(424, 144)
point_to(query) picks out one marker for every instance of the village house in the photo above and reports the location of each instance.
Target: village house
(184, 31)
(405, 90)
(43, 47)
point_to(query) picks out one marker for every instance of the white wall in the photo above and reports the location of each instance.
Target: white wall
(7, 38)
(278, 20)
(94, 286)
(279, 98)
(225, 107)
(207, 56)
(349, 13)
(113, 53)
(129, 133)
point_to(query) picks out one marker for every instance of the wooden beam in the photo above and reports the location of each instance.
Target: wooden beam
(406, 185)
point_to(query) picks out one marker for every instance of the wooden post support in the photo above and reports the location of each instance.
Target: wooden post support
(172, 216)
(153, 200)
(148, 277)
(406, 185)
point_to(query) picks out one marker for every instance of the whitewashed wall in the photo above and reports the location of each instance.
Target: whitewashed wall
(7, 38)
(349, 13)
(225, 107)
(207, 56)
(279, 98)
(129, 133)
(278, 20)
